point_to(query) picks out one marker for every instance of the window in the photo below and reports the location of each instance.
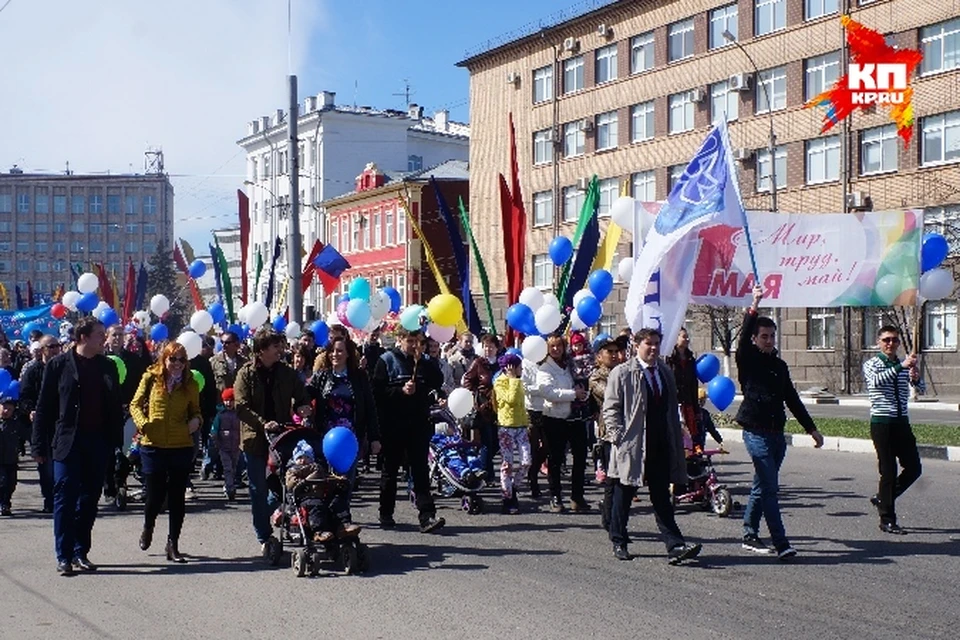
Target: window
(681, 112)
(149, 229)
(878, 150)
(542, 208)
(23, 202)
(608, 325)
(4, 247)
(130, 205)
(414, 163)
(23, 247)
(573, 139)
(946, 222)
(344, 236)
(940, 325)
(543, 84)
(59, 247)
(59, 266)
(149, 205)
(367, 232)
(401, 226)
(940, 141)
(24, 227)
(723, 19)
(873, 319)
(96, 228)
(59, 227)
(77, 227)
(643, 185)
(641, 52)
(6, 203)
(641, 121)
(377, 231)
(96, 203)
(674, 174)
(5, 226)
(609, 191)
(389, 230)
(764, 168)
(23, 265)
(606, 64)
(131, 229)
(543, 146)
(95, 246)
(607, 130)
(59, 205)
(573, 198)
(42, 204)
(114, 247)
(354, 233)
(821, 72)
(573, 74)
(823, 160)
(76, 246)
(130, 247)
(5, 268)
(769, 16)
(149, 247)
(723, 102)
(41, 227)
(78, 204)
(680, 40)
(773, 82)
(335, 234)
(821, 328)
(113, 203)
(814, 9)
(542, 271)
(42, 247)
(940, 44)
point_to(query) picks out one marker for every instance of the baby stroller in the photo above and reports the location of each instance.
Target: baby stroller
(126, 463)
(291, 518)
(704, 489)
(454, 463)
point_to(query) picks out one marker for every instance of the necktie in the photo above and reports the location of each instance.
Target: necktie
(653, 383)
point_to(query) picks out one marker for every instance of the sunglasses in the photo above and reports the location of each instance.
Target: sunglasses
(52, 347)
(890, 340)
(177, 359)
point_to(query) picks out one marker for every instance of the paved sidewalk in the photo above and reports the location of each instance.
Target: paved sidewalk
(928, 403)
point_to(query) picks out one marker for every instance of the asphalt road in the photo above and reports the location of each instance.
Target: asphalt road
(534, 575)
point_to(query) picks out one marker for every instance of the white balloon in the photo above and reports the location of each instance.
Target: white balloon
(532, 297)
(549, 298)
(547, 319)
(159, 304)
(936, 284)
(580, 295)
(101, 306)
(372, 323)
(622, 212)
(534, 348)
(575, 322)
(201, 321)
(292, 331)
(647, 218)
(70, 299)
(257, 314)
(439, 333)
(192, 343)
(142, 319)
(87, 283)
(242, 314)
(460, 402)
(379, 305)
(625, 269)
(333, 320)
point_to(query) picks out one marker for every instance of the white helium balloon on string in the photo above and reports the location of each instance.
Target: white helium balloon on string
(534, 348)
(257, 314)
(460, 402)
(201, 321)
(575, 322)
(192, 343)
(292, 331)
(379, 305)
(440, 333)
(622, 212)
(532, 297)
(159, 304)
(625, 269)
(100, 308)
(549, 298)
(936, 284)
(580, 295)
(70, 299)
(547, 319)
(87, 283)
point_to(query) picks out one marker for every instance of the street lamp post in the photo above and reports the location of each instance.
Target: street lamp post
(772, 139)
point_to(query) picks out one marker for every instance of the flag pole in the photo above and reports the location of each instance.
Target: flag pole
(732, 170)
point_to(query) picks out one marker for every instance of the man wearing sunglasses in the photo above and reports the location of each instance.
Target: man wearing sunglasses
(888, 382)
(226, 363)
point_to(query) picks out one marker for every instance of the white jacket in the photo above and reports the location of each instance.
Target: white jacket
(555, 386)
(528, 375)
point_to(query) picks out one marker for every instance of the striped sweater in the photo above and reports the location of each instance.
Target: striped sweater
(888, 385)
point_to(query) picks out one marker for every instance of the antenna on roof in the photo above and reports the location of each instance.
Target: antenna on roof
(407, 93)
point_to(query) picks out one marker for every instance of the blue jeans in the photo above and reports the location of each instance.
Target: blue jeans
(767, 451)
(211, 458)
(77, 484)
(45, 473)
(259, 498)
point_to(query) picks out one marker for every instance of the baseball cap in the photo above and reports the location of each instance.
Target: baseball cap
(606, 342)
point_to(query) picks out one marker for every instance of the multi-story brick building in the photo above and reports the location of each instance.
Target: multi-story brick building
(50, 221)
(370, 229)
(628, 91)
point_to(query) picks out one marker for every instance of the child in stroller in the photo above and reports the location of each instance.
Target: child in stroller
(455, 464)
(324, 503)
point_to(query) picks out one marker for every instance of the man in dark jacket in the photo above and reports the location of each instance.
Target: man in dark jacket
(209, 399)
(766, 386)
(405, 386)
(78, 422)
(29, 396)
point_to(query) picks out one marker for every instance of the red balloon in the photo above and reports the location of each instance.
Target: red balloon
(58, 311)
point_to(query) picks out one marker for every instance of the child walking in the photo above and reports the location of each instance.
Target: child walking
(513, 419)
(225, 433)
(11, 430)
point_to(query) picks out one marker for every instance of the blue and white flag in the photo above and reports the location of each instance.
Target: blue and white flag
(706, 194)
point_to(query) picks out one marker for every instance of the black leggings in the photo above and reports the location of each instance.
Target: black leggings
(558, 433)
(165, 476)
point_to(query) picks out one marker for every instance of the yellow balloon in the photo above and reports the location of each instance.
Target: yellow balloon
(445, 310)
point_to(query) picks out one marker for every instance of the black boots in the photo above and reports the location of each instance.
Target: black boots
(173, 554)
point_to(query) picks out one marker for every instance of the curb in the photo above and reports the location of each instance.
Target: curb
(926, 403)
(850, 445)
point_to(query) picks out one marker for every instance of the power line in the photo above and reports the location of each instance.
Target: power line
(5, 4)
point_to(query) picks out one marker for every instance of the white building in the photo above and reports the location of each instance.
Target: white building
(336, 142)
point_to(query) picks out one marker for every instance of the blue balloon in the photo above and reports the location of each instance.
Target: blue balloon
(279, 324)
(217, 311)
(358, 313)
(360, 289)
(13, 390)
(27, 328)
(708, 366)
(197, 269)
(561, 250)
(600, 283)
(589, 310)
(340, 448)
(88, 302)
(520, 318)
(395, 301)
(236, 330)
(321, 332)
(5, 378)
(344, 298)
(933, 251)
(721, 391)
(244, 331)
(109, 317)
(159, 332)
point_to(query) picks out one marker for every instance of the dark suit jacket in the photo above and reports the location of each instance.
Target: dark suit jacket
(58, 406)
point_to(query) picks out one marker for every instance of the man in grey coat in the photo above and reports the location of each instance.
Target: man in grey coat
(641, 415)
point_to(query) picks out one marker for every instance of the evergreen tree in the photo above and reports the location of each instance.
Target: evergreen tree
(162, 279)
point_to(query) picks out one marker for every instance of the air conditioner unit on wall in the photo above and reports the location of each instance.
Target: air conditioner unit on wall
(604, 31)
(697, 94)
(513, 78)
(587, 126)
(583, 184)
(742, 154)
(571, 44)
(739, 82)
(858, 200)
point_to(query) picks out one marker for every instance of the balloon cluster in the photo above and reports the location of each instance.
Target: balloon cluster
(935, 283)
(720, 389)
(11, 387)
(363, 308)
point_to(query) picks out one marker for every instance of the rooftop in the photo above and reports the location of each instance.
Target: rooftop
(16, 173)
(448, 170)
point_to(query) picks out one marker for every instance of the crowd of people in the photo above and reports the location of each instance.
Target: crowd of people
(214, 415)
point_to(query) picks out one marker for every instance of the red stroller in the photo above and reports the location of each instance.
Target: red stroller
(704, 489)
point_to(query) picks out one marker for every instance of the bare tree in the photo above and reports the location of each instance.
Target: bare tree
(723, 324)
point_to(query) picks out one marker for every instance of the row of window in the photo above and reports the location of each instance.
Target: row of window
(60, 246)
(939, 42)
(79, 203)
(94, 228)
(939, 322)
(367, 231)
(41, 287)
(57, 266)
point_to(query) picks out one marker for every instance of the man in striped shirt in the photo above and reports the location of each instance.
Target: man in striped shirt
(888, 383)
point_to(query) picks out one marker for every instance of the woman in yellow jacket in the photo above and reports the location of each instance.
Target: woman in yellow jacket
(508, 397)
(166, 411)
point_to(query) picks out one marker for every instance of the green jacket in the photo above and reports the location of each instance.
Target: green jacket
(250, 398)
